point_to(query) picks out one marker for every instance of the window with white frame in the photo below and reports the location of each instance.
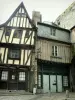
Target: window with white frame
(21, 76)
(4, 75)
(54, 50)
(53, 31)
(39, 80)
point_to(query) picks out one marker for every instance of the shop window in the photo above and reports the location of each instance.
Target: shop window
(14, 53)
(21, 76)
(17, 34)
(4, 75)
(54, 50)
(39, 80)
(65, 81)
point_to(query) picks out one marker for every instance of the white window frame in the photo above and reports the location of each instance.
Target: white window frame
(4, 75)
(54, 50)
(53, 31)
(39, 80)
(21, 76)
(65, 80)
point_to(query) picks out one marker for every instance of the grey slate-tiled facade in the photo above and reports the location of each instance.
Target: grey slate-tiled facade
(61, 34)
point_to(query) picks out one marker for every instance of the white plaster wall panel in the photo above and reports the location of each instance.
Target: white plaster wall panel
(24, 22)
(16, 40)
(10, 61)
(23, 35)
(22, 10)
(27, 22)
(25, 56)
(22, 56)
(11, 35)
(28, 63)
(21, 22)
(2, 53)
(1, 32)
(18, 21)
(16, 62)
(15, 21)
(28, 42)
(12, 20)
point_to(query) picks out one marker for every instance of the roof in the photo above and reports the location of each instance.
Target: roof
(61, 33)
(53, 25)
(72, 27)
(27, 15)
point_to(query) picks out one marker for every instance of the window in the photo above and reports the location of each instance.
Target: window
(14, 53)
(65, 81)
(53, 31)
(13, 77)
(27, 34)
(17, 34)
(39, 80)
(21, 76)
(54, 50)
(8, 32)
(4, 75)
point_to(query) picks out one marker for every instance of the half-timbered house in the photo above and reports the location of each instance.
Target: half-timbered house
(16, 51)
(34, 57)
(53, 58)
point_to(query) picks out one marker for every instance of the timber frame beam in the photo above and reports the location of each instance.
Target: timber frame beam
(28, 47)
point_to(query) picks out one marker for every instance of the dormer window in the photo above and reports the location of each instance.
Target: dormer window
(17, 34)
(7, 32)
(53, 31)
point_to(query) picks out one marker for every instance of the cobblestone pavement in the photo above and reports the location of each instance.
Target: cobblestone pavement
(52, 96)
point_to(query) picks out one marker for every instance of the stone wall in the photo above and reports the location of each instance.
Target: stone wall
(67, 18)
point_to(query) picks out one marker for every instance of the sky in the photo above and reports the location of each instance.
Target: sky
(49, 9)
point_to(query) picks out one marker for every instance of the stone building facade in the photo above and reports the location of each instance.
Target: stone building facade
(67, 18)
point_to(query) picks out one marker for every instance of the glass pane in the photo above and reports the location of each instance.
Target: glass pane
(65, 81)
(8, 32)
(17, 33)
(4, 75)
(21, 76)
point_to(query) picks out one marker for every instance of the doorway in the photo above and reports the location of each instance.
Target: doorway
(53, 83)
(46, 83)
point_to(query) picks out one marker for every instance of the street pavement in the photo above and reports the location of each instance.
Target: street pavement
(52, 96)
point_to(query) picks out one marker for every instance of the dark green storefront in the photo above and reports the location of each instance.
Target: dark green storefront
(53, 76)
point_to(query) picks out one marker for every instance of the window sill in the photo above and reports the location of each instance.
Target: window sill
(56, 57)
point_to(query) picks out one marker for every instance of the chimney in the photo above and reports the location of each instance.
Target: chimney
(36, 17)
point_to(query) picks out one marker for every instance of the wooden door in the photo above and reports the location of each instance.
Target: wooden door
(13, 80)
